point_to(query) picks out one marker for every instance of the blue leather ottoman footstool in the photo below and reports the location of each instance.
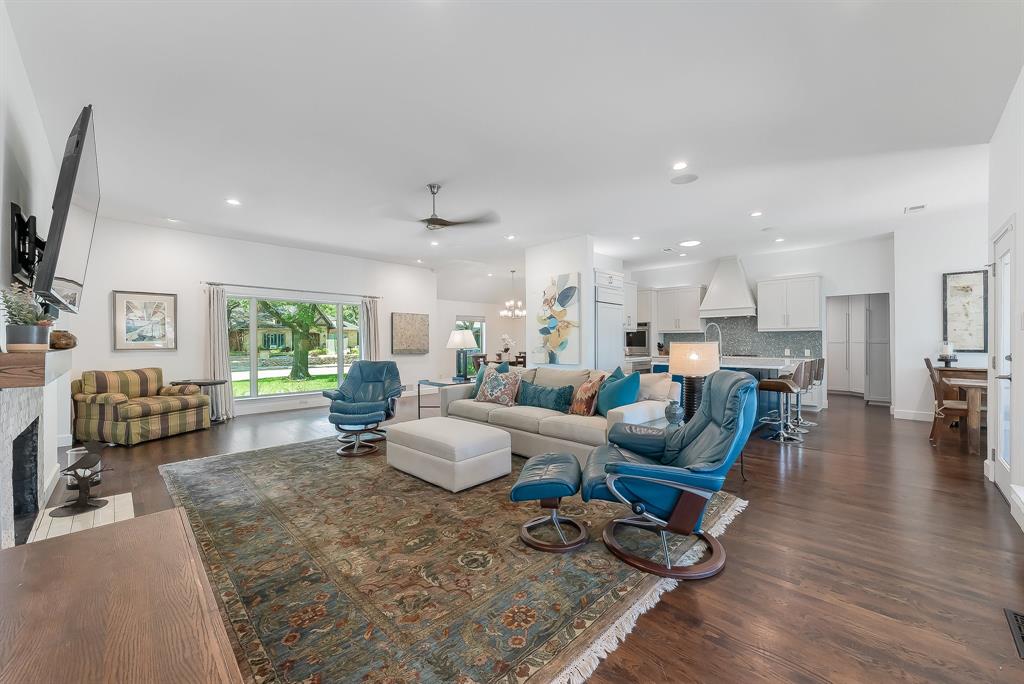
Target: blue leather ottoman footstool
(547, 478)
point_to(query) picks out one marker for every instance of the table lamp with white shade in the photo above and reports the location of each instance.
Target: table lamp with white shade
(694, 361)
(461, 341)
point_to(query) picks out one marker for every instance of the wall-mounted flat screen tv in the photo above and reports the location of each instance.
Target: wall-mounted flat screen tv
(76, 202)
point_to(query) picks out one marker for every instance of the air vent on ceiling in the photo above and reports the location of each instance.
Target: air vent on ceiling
(667, 250)
(914, 209)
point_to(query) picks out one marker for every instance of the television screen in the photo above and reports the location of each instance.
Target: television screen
(76, 201)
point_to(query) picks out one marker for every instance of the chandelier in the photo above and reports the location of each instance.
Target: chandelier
(513, 307)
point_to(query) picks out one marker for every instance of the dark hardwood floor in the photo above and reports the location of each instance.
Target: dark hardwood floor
(865, 555)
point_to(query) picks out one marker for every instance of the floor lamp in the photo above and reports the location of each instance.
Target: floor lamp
(461, 341)
(694, 361)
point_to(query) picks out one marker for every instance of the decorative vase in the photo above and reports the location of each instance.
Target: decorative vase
(28, 338)
(62, 339)
(674, 412)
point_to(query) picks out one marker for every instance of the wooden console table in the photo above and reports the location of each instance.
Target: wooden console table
(126, 602)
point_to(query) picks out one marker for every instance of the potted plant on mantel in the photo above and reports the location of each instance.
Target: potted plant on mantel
(28, 328)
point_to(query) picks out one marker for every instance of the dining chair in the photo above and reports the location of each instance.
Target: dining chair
(944, 410)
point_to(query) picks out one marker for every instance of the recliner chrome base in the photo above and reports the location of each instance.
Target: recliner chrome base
(710, 566)
(353, 443)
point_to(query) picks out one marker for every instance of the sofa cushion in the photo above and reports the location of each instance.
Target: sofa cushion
(525, 418)
(585, 401)
(583, 429)
(141, 382)
(525, 374)
(498, 388)
(153, 406)
(554, 398)
(615, 393)
(557, 377)
(501, 368)
(655, 386)
(448, 438)
(471, 409)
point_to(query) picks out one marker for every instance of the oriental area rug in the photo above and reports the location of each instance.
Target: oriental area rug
(346, 570)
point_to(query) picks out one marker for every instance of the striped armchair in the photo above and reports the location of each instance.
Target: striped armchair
(132, 406)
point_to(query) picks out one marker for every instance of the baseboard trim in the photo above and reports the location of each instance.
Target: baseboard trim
(64, 440)
(988, 470)
(902, 414)
(1017, 505)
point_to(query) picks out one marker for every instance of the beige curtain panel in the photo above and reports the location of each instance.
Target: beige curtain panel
(222, 400)
(371, 329)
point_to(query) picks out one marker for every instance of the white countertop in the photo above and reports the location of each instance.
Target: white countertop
(753, 362)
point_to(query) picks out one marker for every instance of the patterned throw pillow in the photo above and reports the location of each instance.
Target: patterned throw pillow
(498, 388)
(585, 401)
(554, 398)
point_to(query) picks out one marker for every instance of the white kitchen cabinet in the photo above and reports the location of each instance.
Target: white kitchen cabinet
(629, 305)
(789, 304)
(645, 306)
(678, 309)
(857, 343)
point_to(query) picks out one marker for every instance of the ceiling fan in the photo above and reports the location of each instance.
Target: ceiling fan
(435, 222)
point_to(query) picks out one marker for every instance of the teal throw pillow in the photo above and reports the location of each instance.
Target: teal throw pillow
(616, 374)
(554, 398)
(502, 368)
(618, 392)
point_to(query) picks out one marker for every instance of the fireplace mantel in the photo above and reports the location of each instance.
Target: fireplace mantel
(33, 369)
(33, 385)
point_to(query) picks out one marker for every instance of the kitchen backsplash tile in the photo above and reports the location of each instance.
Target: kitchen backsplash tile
(740, 336)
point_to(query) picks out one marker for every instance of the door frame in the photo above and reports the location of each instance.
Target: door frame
(997, 469)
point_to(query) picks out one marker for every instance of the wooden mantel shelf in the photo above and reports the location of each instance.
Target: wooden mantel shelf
(33, 369)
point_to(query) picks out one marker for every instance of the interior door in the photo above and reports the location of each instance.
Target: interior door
(837, 350)
(858, 342)
(1001, 402)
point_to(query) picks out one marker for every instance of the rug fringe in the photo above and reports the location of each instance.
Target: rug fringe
(584, 665)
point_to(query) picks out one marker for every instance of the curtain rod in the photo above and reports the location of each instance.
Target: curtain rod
(292, 289)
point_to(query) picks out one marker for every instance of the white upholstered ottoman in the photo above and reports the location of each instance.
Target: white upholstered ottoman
(454, 454)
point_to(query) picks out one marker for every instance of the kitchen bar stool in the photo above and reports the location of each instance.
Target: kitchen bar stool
(810, 372)
(783, 429)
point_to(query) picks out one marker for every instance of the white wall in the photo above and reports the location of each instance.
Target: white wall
(574, 254)
(1006, 206)
(856, 267)
(926, 247)
(28, 167)
(449, 311)
(127, 256)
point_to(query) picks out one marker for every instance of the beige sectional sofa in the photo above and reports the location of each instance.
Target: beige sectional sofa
(537, 430)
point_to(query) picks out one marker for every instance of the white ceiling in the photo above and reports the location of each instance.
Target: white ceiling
(327, 119)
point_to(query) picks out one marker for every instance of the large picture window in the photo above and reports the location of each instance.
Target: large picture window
(300, 346)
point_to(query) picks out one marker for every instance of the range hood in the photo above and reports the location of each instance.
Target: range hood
(728, 294)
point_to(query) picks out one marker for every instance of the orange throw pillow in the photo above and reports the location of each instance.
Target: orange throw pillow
(584, 403)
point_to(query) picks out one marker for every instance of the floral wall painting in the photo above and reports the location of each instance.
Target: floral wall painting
(559, 319)
(965, 310)
(145, 320)
(410, 333)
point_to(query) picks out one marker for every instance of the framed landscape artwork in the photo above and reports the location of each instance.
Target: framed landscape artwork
(145, 320)
(559, 319)
(410, 333)
(965, 310)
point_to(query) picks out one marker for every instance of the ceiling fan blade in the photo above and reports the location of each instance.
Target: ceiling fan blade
(488, 217)
(436, 221)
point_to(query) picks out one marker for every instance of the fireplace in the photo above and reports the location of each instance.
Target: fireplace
(25, 481)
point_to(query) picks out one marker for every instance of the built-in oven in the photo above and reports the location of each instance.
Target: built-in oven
(637, 342)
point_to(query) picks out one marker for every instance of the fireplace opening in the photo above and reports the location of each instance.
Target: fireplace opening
(25, 479)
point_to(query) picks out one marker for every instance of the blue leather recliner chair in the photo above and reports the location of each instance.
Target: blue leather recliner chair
(668, 476)
(367, 397)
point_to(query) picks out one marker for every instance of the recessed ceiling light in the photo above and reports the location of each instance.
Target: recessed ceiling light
(636, 237)
(684, 179)
(755, 214)
(682, 254)
(490, 275)
(679, 166)
(780, 239)
(434, 243)
(689, 243)
(233, 202)
(170, 220)
(419, 261)
(510, 237)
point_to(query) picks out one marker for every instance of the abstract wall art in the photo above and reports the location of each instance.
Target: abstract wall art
(965, 310)
(145, 321)
(410, 333)
(559, 319)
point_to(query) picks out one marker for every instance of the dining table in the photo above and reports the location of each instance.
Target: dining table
(975, 390)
